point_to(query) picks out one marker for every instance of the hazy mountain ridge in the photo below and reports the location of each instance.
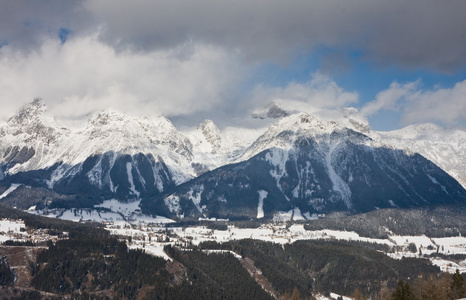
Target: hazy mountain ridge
(301, 164)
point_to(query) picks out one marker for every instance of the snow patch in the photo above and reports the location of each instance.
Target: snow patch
(110, 211)
(155, 249)
(283, 216)
(209, 251)
(195, 197)
(95, 175)
(11, 189)
(260, 207)
(297, 216)
(308, 216)
(448, 266)
(338, 184)
(392, 203)
(337, 296)
(129, 168)
(6, 225)
(434, 181)
(451, 245)
(173, 204)
(121, 207)
(156, 170)
(277, 158)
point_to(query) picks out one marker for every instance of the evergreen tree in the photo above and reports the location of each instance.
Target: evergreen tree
(457, 285)
(6, 275)
(403, 292)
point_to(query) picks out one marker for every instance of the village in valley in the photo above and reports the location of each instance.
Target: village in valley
(14, 230)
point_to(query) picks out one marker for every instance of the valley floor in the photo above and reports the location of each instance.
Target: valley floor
(152, 234)
(172, 241)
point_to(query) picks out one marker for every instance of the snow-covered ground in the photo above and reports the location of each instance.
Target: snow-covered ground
(152, 248)
(115, 212)
(449, 266)
(8, 225)
(277, 233)
(13, 187)
(150, 233)
(8, 228)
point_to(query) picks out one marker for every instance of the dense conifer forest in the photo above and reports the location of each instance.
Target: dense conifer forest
(325, 266)
(435, 221)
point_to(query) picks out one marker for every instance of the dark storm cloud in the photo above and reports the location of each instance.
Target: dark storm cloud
(418, 33)
(24, 24)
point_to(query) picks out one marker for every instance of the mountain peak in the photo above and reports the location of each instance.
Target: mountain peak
(30, 123)
(208, 125)
(271, 111)
(283, 133)
(304, 121)
(356, 120)
(29, 112)
(212, 134)
(103, 118)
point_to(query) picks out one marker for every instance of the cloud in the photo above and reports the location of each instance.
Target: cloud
(183, 57)
(319, 93)
(84, 75)
(412, 34)
(25, 24)
(444, 105)
(418, 33)
(390, 98)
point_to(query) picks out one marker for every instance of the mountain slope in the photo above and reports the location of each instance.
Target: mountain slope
(298, 166)
(303, 165)
(445, 147)
(114, 155)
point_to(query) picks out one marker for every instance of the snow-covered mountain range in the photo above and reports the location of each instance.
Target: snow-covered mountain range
(297, 163)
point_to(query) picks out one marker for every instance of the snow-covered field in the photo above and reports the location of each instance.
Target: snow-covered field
(280, 234)
(115, 212)
(150, 233)
(8, 229)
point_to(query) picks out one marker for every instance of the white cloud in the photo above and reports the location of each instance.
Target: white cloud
(319, 93)
(445, 105)
(389, 99)
(84, 75)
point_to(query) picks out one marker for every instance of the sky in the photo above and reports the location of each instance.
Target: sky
(398, 62)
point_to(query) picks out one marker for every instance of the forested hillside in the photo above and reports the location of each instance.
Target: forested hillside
(326, 266)
(91, 264)
(437, 221)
